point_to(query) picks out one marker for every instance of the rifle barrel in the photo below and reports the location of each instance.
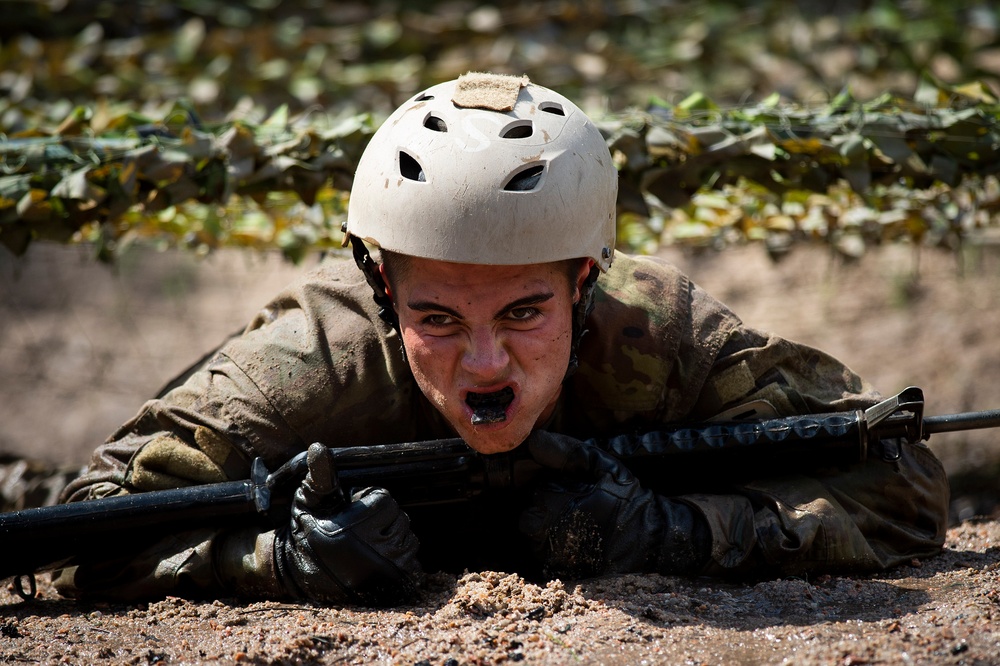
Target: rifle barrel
(46, 537)
(963, 421)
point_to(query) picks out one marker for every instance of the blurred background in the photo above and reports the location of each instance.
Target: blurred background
(83, 343)
(342, 57)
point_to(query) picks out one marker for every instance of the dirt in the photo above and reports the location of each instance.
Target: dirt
(937, 611)
(89, 345)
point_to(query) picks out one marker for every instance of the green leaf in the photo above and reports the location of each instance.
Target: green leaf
(278, 119)
(697, 102)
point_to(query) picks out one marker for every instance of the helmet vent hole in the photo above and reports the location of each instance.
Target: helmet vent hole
(526, 180)
(410, 168)
(424, 97)
(552, 107)
(520, 129)
(435, 123)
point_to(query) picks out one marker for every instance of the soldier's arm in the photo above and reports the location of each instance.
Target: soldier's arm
(195, 434)
(306, 370)
(867, 516)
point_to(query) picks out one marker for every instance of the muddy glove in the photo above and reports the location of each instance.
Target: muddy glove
(358, 550)
(592, 517)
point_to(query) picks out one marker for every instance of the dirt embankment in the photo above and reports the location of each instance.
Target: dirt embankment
(83, 345)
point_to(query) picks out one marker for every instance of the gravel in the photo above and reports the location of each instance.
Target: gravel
(934, 611)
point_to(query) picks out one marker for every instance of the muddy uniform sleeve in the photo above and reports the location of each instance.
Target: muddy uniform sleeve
(313, 366)
(661, 351)
(864, 517)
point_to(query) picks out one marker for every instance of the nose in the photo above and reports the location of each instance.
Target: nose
(485, 356)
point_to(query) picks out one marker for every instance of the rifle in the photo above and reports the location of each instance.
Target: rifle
(445, 471)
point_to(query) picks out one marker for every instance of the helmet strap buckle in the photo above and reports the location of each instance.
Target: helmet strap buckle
(363, 258)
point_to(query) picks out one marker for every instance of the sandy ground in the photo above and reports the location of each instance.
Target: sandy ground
(82, 346)
(939, 611)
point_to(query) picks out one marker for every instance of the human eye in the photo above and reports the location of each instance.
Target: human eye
(524, 314)
(438, 320)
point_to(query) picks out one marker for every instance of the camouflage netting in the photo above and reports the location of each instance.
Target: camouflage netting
(239, 123)
(848, 173)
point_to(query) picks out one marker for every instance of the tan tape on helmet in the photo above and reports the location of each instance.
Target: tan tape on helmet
(493, 92)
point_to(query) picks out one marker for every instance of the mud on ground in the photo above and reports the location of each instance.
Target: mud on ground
(937, 611)
(89, 345)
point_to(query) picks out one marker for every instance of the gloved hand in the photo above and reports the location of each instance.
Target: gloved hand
(592, 517)
(356, 550)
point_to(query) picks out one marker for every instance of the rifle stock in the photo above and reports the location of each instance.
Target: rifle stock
(442, 471)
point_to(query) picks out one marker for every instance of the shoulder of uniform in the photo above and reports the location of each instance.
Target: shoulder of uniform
(334, 288)
(638, 278)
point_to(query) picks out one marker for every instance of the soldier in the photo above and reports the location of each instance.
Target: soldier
(502, 314)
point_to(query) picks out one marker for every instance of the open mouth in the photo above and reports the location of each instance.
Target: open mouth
(490, 407)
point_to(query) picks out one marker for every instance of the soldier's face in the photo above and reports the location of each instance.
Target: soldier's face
(488, 345)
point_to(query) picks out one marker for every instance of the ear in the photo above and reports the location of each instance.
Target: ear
(385, 281)
(583, 272)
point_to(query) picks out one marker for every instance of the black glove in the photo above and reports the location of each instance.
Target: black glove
(337, 550)
(592, 517)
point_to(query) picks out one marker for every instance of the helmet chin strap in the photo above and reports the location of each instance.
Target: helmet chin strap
(581, 309)
(363, 258)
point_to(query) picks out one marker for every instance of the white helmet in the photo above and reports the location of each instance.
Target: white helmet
(487, 169)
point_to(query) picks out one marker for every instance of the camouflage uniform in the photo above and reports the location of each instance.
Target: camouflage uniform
(317, 364)
(29, 483)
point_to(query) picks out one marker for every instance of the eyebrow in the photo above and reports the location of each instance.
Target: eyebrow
(523, 302)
